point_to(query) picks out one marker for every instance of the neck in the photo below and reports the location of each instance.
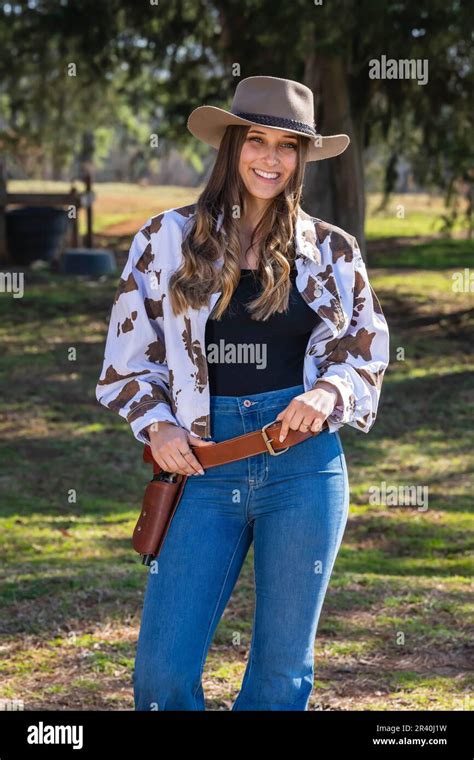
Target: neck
(254, 209)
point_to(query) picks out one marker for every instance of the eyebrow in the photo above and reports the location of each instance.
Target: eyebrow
(259, 132)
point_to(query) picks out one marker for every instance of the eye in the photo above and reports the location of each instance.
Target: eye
(285, 145)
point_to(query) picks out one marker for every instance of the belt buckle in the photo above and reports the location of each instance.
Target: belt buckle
(268, 441)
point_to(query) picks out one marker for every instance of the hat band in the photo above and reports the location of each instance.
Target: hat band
(277, 121)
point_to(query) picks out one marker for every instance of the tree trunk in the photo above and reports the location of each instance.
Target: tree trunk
(334, 188)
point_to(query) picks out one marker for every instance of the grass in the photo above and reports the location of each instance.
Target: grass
(407, 215)
(395, 628)
(432, 254)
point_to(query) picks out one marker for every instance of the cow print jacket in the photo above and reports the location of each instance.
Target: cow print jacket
(155, 368)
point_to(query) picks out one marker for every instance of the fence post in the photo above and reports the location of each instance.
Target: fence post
(4, 256)
(88, 181)
(75, 221)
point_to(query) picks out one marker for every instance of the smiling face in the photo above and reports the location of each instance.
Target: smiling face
(267, 161)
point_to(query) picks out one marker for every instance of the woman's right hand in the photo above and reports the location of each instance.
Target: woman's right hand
(170, 446)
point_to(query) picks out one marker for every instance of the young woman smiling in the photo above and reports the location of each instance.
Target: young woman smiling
(245, 269)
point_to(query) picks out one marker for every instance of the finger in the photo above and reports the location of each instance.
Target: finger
(297, 420)
(186, 461)
(306, 425)
(168, 463)
(280, 414)
(316, 425)
(161, 462)
(179, 452)
(285, 425)
(192, 460)
(160, 458)
(167, 454)
(199, 442)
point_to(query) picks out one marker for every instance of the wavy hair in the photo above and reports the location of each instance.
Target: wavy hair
(197, 277)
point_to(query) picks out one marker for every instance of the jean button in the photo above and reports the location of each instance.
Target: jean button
(247, 402)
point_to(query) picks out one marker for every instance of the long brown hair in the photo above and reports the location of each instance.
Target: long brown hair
(197, 277)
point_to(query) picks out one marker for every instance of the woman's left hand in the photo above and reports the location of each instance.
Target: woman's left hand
(309, 410)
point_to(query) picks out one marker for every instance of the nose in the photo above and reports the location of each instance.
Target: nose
(271, 158)
(270, 155)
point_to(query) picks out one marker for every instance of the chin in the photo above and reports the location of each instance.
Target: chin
(264, 196)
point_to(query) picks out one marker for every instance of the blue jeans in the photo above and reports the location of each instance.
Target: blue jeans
(294, 507)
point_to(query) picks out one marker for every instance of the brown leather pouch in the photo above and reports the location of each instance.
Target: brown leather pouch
(160, 501)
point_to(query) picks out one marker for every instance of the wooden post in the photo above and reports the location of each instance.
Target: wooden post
(4, 255)
(88, 181)
(87, 170)
(75, 221)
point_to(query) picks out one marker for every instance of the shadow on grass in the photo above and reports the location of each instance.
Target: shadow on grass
(112, 588)
(434, 404)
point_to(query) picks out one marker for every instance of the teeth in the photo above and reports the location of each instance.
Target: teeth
(267, 175)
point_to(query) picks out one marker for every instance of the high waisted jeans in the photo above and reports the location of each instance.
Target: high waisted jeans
(294, 507)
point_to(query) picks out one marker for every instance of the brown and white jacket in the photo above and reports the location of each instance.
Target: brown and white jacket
(155, 366)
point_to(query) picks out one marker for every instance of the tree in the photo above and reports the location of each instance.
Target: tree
(330, 47)
(163, 60)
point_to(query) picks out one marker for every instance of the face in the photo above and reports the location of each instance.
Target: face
(267, 161)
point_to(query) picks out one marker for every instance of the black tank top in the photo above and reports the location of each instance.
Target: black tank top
(252, 356)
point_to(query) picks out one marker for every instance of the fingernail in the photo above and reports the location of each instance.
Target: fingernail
(201, 472)
(281, 438)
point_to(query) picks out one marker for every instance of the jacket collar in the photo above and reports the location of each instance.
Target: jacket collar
(305, 238)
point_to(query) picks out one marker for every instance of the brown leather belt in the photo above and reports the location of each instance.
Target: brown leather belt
(257, 442)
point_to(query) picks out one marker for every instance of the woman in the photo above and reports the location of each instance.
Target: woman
(231, 313)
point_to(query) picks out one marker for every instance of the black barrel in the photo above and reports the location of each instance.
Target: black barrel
(35, 232)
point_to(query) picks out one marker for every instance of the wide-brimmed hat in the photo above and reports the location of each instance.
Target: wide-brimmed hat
(270, 102)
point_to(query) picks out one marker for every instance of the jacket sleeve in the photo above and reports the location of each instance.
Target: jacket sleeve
(134, 380)
(356, 362)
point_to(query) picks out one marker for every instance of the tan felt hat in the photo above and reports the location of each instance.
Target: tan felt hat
(271, 102)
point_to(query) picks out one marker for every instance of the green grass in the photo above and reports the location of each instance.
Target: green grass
(381, 226)
(408, 215)
(434, 254)
(394, 631)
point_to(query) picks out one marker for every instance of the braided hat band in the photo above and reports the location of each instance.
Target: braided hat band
(278, 121)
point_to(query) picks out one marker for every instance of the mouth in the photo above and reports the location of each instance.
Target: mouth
(268, 177)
